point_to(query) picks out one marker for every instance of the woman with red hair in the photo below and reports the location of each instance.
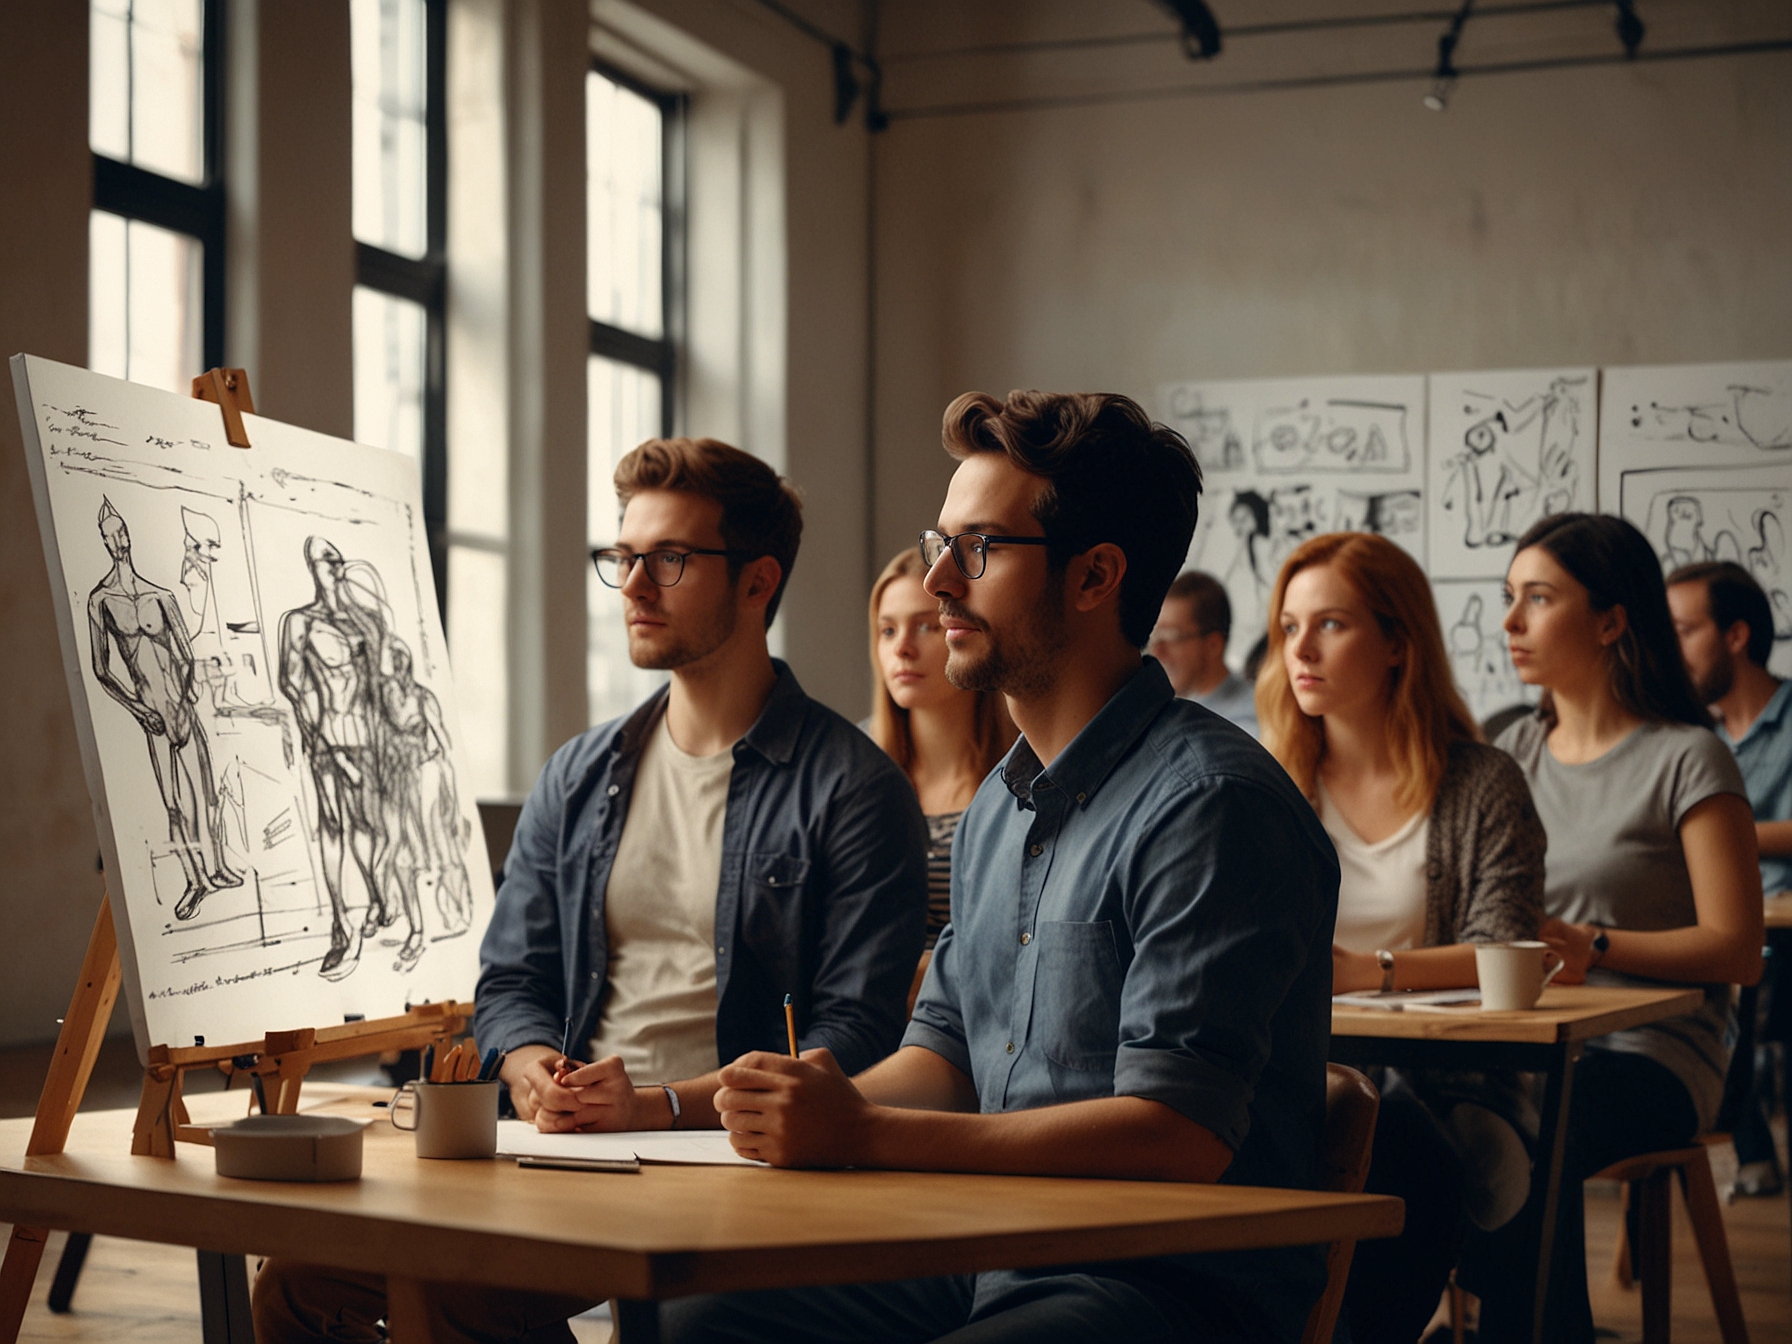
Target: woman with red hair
(1439, 848)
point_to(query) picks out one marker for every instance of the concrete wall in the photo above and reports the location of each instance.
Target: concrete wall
(1585, 216)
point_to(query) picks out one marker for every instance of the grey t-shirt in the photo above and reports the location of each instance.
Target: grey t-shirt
(1615, 859)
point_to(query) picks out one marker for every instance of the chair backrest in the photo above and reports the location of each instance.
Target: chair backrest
(1351, 1104)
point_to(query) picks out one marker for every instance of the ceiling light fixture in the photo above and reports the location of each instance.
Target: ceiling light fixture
(1200, 30)
(1630, 28)
(1443, 79)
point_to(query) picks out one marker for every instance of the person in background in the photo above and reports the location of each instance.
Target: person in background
(1439, 848)
(1135, 980)
(1725, 625)
(1190, 639)
(945, 739)
(1652, 877)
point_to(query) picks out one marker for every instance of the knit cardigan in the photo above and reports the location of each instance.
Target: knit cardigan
(1484, 852)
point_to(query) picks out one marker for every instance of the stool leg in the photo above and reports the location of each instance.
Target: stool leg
(1655, 1254)
(68, 1271)
(1623, 1266)
(1714, 1248)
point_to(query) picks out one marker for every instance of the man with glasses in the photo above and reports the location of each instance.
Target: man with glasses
(1190, 640)
(677, 872)
(1136, 980)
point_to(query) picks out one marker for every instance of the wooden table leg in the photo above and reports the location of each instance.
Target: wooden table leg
(224, 1316)
(1558, 1094)
(24, 1252)
(637, 1322)
(407, 1311)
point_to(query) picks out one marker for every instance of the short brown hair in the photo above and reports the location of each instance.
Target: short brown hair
(1206, 598)
(1111, 476)
(1733, 595)
(762, 513)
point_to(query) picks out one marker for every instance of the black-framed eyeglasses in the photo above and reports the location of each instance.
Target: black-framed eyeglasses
(970, 550)
(664, 568)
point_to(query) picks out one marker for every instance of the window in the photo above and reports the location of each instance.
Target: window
(156, 234)
(630, 245)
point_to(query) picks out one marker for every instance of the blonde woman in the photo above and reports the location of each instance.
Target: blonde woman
(1438, 847)
(946, 740)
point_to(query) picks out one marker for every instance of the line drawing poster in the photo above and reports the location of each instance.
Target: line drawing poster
(1699, 456)
(1286, 459)
(267, 720)
(1504, 449)
(1471, 611)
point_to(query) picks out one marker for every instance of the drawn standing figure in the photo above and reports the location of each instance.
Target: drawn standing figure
(143, 622)
(329, 667)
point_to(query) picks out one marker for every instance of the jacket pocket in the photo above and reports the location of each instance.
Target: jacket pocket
(777, 872)
(1076, 995)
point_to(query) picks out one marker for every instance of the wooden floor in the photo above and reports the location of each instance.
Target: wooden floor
(140, 1293)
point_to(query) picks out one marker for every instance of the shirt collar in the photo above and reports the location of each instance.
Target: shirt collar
(773, 734)
(1772, 712)
(1093, 753)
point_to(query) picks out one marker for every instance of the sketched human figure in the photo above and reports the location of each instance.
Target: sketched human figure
(329, 665)
(1684, 541)
(1250, 572)
(200, 553)
(143, 623)
(1494, 485)
(420, 811)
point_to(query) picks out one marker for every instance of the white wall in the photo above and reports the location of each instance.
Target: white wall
(1588, 216)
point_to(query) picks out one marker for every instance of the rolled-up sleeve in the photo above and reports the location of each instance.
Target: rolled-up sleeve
(522, 971)
(1225, 905)
(937, 1024)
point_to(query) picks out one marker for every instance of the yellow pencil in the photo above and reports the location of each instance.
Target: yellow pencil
(790, 1024)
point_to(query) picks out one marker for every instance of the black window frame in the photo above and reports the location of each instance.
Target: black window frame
(424, 282)
(194, 210)
(658, 357)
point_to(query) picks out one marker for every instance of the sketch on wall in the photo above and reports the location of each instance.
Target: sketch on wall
(1506, 448)
(1700, 458)
(265, 709)
(1284, 460)
(1471, 612)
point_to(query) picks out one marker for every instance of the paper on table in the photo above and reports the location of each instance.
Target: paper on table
(691, 1147)
(1394, 1001)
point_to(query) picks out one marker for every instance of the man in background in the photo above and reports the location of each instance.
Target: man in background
(1725, 624)
(1190, 640)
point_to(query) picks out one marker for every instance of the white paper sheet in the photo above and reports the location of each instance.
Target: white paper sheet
(689, 1147)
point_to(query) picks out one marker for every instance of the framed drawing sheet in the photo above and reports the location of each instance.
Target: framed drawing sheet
(1699, 456)
(266, 715)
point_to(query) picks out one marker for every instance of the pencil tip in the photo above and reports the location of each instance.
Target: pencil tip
(787, 1000)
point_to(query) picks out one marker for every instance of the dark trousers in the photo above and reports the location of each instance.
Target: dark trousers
(1395, 1282)
(1752, 1070)
(1007, 1307)
(1623, 1105)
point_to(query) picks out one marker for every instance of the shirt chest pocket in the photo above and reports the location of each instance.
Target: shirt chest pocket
(1076, 995)
(772, 903)
(777, 873)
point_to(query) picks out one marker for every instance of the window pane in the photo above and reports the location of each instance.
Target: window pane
(145, 321)
(623, 406)
(390, 349)
(387, 49)
(476, 645)
(623, 133)
(146, 92)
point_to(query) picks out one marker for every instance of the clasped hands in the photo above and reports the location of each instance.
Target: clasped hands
(788, 1112)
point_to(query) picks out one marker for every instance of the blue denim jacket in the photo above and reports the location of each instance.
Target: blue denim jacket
(823, 890)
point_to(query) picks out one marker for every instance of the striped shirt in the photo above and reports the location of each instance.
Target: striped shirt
(940, 830)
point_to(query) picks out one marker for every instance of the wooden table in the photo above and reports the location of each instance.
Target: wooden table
(667, 1232)
(1547, 1039)
(1779, 910)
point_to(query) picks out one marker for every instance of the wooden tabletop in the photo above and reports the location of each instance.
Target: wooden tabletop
(1779, 910)
(1564, 1013)
(663, 1233)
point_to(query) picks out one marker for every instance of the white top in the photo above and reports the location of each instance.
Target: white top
(659, 1009)
(1381, 886)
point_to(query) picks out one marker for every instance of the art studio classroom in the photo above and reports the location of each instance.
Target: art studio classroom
(1308, 474)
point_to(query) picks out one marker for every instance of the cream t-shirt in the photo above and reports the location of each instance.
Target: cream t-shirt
(1381, 886)
(659, 1009)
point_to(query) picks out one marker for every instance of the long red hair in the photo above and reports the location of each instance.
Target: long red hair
(1426, 712)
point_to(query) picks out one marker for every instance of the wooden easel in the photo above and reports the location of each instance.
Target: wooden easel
(276, 1064)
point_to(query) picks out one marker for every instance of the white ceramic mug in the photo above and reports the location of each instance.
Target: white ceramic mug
(1512, 975)
(449, 1119)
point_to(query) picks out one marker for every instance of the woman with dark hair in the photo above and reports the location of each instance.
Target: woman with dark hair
(1651, 876)
(1438, 848)
(945, 739)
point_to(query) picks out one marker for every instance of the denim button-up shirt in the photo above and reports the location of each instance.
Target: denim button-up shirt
(823, 891)
(1151, 916)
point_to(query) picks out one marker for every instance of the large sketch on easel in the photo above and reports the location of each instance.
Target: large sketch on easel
(266, 714)
(1506, 449)
(1287, 459)
(1700, 458)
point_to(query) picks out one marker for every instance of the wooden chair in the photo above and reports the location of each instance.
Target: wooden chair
(1647, 1178)
(1351, 1104)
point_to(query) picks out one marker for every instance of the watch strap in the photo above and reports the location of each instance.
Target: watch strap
(1385, 959)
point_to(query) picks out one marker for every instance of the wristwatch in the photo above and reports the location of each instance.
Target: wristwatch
(1385, 959)
(1601, 943)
